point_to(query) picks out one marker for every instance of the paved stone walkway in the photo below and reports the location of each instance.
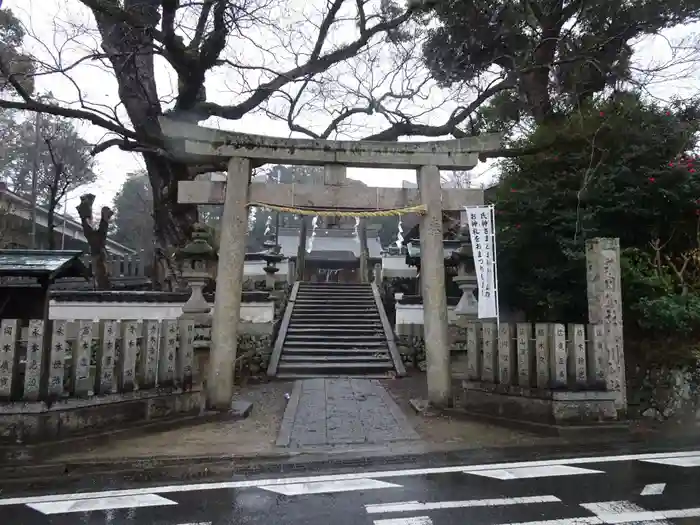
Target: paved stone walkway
(342, 411)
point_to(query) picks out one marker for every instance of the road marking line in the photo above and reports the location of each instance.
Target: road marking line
(583, 520)
(321, 487)
(655, 516)
(92, 504)
(642, 517)
(535, 472)
(413, 506)
(690, 461)
(615, 510)
(653, 489)
(416, 520)
(169, 489)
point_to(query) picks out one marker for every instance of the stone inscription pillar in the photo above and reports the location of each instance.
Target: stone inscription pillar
(437, 348)
(227, 307)
(605, 309)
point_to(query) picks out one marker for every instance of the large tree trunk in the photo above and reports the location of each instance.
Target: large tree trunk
(51, 218)
(137, 90)
(535, 82)
(51, 227)
(172, 221)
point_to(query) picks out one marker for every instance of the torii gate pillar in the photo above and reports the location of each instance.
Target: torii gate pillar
(432, 271)
(229, 279)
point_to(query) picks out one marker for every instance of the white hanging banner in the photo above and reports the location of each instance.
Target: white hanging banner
(483, 236)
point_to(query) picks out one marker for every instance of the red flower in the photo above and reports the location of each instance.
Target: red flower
(668, 113)
(513, 190)
(602, 114)
(670, 164)
(517, 226)
(691, 170)
(652, 179)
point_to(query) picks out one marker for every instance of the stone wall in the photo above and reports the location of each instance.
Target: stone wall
(411, 344)
(661, 392)
(254, 351)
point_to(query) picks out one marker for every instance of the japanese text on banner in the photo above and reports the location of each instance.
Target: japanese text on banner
(481, 231)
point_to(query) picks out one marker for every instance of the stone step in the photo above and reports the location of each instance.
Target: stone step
(335, 310)
(333, 314)
(327, 291)
(335, 304)
(338, 296)
(335, 288)
(322, 284)
(293, 375)
(339, 368)
(350, 330)
(335, 300)
(331, 323)
(358, 352)
(334, 344)
(383, 358)
(335, 337)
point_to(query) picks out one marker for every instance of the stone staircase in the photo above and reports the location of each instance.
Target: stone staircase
(335, 330)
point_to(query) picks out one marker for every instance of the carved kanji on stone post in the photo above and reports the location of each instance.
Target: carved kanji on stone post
(206, 145)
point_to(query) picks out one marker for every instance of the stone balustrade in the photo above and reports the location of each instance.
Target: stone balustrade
(52, 360)
(43, 361)
(540, 355)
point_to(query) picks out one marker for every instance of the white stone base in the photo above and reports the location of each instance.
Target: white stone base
(69, 310)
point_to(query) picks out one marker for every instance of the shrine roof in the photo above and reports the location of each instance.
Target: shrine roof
(328, 240)
(42, 264)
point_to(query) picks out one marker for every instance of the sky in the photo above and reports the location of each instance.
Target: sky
(57, 33)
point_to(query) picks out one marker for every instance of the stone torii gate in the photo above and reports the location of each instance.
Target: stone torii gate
(196, 144)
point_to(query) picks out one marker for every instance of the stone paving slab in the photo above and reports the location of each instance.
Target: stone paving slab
(342, 411)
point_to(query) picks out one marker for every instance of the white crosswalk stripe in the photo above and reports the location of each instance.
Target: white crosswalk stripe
(93, 504)
(412, 506)
(628, 512)
(415, 520)
(653, 489)
(689, 461)
(324, 487)
(535, 472)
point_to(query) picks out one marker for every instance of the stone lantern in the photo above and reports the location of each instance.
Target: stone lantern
(466, 277)
(198, 260)
(272, 257)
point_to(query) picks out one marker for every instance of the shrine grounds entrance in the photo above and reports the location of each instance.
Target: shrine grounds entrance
(201, 145)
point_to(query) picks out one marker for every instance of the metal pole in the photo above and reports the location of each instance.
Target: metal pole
(35, 169)
(495, 264)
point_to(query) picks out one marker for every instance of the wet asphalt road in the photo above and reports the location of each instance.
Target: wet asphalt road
(657, 488)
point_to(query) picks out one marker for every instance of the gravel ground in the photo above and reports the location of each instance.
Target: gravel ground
(257, 434)
(253, 435)
(443, 429)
